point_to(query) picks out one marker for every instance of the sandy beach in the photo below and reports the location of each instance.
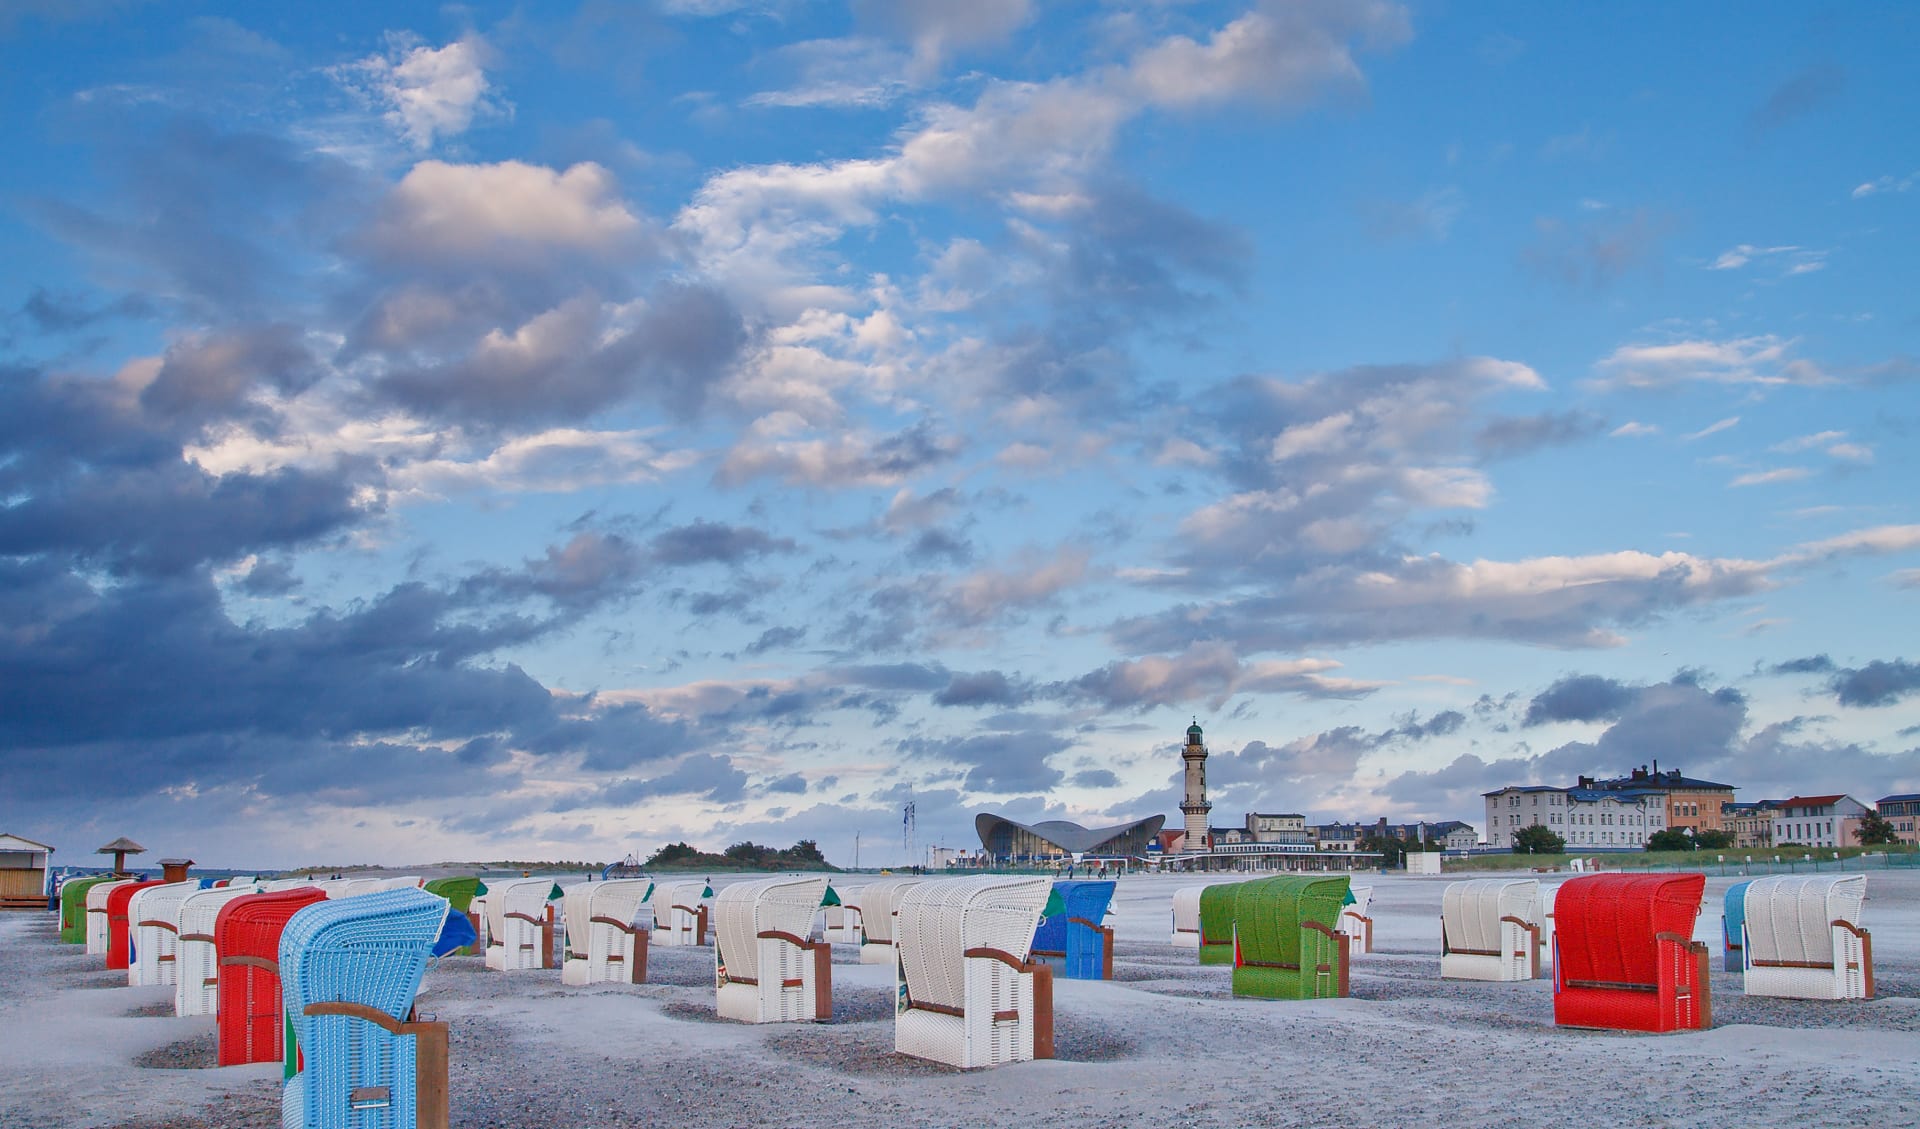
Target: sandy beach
(1163, 1044)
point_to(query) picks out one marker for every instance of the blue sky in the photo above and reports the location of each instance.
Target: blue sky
(485, 431)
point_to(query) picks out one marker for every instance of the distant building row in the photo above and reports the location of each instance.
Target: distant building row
(1263, 831)
(1624, 812)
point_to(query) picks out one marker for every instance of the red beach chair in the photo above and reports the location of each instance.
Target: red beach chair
(247, 937)
(117, 929)
(1624, 954)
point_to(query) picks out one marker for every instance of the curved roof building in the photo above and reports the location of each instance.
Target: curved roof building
(1009, 840)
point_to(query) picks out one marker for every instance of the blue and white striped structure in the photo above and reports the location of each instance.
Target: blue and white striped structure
(361, 955)
(1073, 939)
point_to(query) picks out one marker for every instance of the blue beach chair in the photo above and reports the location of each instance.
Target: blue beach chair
(349, 970)
(1733, 921)
(1072, 937)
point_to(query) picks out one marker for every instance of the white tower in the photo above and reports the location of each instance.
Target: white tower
(1196, 807)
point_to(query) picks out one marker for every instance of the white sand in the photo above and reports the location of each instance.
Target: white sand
(1161, 1045)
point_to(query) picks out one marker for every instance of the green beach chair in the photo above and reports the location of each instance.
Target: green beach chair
(1286, 944)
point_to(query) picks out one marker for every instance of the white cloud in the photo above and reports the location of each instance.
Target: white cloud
(1633, 429)
(1035, 578)
(1808, 442)
(432, 92)
(473, 211)
(1713, 428)
(1280, 54)
(1772, 477)
(1884, 184)
(1759, 360)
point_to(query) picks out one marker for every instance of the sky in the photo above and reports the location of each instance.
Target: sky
(552, 431)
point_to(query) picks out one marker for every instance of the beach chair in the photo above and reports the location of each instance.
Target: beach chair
(842, 921)
(765, 969)
(967, 991)
(73, 907)
(1625, 957)
(682, 914)
(119, 927)
(1733, 916)
(1186, 917)
(520, 924)
(1804, 940)
(608, 925)
(1355, 923)
(878, 902)
(197, 987)
(349, 971)
(1073, 938)
(460, 892)
(153, 938)
(276, 885)
(1216, 922)
(96, 898)
(246, 935)
(354, 887)
(1285, 942)
(1547, 896)
(1490, 930)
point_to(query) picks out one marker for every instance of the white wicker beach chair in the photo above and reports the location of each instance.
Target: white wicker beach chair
(1354, 921)
(680, 913)
(966, 991)
(97, 931)
(1490, 930)
(197, 991)
(766, 970)
(153, 923)
(1547, 894)
(520, 924)
(1804, 940)
(279, 884)
(608, 927)
(878, 900)
(1186, 917)
(357, 886)
(842, 924)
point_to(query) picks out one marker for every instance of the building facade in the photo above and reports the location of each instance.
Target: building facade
(1007, 842)
(1586, 818)
(1692, 804)
(1903, 811)
(1818, 821)
(1751, 824)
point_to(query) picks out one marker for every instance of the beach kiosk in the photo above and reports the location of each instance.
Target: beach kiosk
(26, 879)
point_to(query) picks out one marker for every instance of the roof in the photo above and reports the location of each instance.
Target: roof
(1897, 799)
(1813, 801)
(1665, 781)
(1595, 795)
(1275, 815)
(1069, 837)
(16, 843)
(121, 844)
(1755, 805)
(1524, 788)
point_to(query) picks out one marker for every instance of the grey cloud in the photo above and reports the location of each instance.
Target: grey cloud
(777, 638)
(50, 312)
(935, 545)
(1879, 683)
(712, 542)
(1508, 436)
(982, 688)
(1593, 252)
(1442, 724)
(1801, 94)
(1581, 697)
(1812, 664)
(269, 578)
(790, 784)
(1094, 778)
(705, 775)
(996, 762)
(206, 377)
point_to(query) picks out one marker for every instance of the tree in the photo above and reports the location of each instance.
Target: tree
(1672, 839)
(1874, 829)
(805, 853)
(672, 853)
(1538, 840)
(1392, 852)
(1713, 840)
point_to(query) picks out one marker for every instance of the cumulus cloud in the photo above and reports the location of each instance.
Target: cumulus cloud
(1761, 360)
(465, 213)
(431, 93)
(1209, 671)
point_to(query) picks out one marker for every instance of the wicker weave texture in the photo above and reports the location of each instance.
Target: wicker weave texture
(513, 942)
(1216, 922)
(119, 928)
(1278, 952)
(597, 951)
(1480, 941)
(843, 921)
(196, 990)
(676, 918)
(878, 902)
(153, 924)
(936, 925)
(1186, 917)
(1733, 920)
(1356, 923)
(1076, 948)
(1625, 957)
(97, 931)
(73, 908)
(763, 979)
(247, 929)
(370, 950)
(1796, 944)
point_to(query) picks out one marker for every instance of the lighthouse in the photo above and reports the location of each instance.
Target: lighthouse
(1195, 807)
